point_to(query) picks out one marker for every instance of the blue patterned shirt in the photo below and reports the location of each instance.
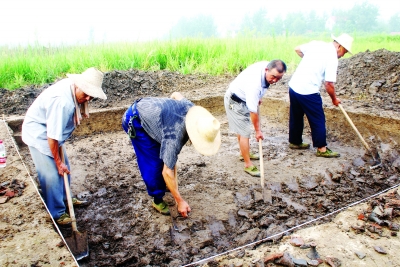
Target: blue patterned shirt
(164, 121)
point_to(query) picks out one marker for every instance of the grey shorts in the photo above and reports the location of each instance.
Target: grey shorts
(238, 116)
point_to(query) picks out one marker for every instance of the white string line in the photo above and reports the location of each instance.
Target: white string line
(37, 191)
(293, 228)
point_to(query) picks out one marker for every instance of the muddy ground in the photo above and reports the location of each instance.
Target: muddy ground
(227, 206)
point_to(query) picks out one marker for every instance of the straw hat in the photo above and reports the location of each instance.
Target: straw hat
(89, 82)
(203, 130)
(344, 40)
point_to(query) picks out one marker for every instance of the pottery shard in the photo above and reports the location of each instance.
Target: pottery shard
(380, 250)
(273, 257)
(333, 262)
(296, 241)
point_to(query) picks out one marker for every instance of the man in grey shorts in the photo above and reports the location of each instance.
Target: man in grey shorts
(241, 104)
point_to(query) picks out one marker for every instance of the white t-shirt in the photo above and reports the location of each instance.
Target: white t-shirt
(319, 63)
(250, 85)
(50, 115)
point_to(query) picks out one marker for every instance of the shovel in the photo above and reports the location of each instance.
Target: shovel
(267, 196)
(374, 154)
(78, 242)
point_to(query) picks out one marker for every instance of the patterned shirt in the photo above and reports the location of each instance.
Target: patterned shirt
(164, 121)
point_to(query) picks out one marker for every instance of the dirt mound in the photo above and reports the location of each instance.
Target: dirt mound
(371, 76)
(121, 88)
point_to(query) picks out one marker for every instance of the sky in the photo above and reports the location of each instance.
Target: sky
(54, 22)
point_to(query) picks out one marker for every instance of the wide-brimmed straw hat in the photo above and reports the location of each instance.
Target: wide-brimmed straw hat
(203, 130)
(89, 82)
(344, 40)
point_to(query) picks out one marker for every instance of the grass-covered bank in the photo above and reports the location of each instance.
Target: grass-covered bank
(39, 65)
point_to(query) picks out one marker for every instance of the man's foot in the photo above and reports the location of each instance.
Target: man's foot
(76, 202)
(64, 219)
(327, 154)
(301, 146)
(162, 208)
(253, 171)
(252, 156)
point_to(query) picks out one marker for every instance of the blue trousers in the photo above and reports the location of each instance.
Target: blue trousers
(311, 106)
(51, 183)
(147, 154)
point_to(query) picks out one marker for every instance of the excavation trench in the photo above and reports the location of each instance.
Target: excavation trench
(227, 206)
(228, 210)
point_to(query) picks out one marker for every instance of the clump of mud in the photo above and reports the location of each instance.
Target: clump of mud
(371, 76)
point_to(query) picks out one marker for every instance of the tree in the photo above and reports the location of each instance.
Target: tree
(361, 17)
(394, 23)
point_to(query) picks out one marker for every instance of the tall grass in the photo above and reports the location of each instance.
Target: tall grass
(39, 65)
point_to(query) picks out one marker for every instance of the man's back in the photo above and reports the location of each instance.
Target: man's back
(318, 63)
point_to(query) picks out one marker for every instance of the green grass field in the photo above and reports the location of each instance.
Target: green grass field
(39, 65)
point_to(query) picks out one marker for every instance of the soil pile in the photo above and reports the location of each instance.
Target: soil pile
(121, 88)
(371, 76)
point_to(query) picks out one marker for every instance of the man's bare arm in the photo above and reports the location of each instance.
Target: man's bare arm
(54, 148)
(330, 89)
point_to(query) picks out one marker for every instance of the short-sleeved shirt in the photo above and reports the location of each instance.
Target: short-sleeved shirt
(250, 85)
(164, 121)
(50, 115)
(319, 63)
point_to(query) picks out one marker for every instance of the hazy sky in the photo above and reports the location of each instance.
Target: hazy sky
(54, 22)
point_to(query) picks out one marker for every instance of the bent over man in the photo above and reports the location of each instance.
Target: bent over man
(319, 63)
(242, 100)
(49, 121)
(158, 129)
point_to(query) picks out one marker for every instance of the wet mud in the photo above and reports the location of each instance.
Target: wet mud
(228, 210)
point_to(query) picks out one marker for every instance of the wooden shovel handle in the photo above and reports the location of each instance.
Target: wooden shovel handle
(261, 163)
(354, 128)
(68, 193)
(260, 152)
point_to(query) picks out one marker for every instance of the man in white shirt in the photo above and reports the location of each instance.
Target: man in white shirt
(48, 123)
(319, 63)
(242, 100)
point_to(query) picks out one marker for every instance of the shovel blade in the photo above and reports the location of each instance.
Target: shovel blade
(267, 195)
(78, 244)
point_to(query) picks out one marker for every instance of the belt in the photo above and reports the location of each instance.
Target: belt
(237, 99)
(135, 115)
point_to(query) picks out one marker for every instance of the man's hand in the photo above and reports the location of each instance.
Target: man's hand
(170, 178)
(62, 168)
(55, 150)
(336, 101)
(183, 208)
(259, 135)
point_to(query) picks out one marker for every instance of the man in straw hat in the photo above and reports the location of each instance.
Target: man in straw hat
(49, 121)
(319, 63)
(242, 100)
(158, 129)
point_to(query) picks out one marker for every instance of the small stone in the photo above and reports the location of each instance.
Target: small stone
(380, 250)
(360, 254)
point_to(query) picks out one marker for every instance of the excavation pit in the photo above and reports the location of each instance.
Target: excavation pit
(228, 210)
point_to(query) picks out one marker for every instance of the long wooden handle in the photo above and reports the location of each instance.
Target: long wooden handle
(354, 128)
(260, 152)
(261, 163)
(68, 193)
